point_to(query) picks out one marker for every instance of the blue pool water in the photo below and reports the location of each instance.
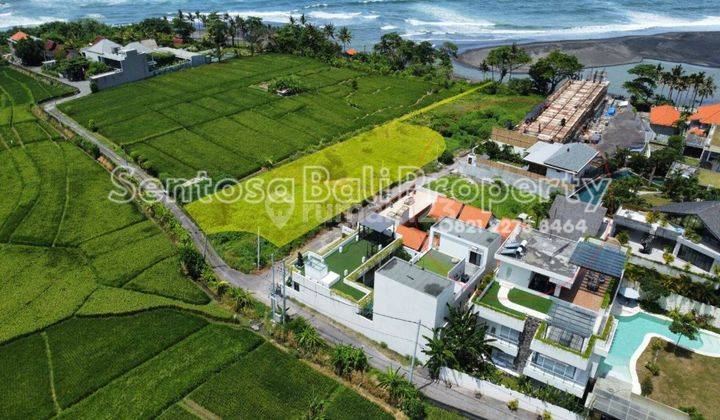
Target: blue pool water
(593, 192)
(630, 334)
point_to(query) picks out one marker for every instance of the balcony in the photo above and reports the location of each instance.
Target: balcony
(510, 306)
(503, 344)
(573, 386)
(579, 359)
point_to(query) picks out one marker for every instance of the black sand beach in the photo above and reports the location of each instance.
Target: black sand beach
(697, 48)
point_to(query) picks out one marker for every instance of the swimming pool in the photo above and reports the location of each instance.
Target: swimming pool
(593, 191)
(631, 334)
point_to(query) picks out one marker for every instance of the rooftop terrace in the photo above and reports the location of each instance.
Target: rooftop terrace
(424, 281)
(437, 262)
(542, 251)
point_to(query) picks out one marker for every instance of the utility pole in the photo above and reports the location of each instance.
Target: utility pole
(284, 285)
(412, 363)
(258, 249)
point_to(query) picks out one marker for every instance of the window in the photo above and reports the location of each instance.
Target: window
(695, 258)
(296, 286)
(505, 333)
(475, 258)
(553, 366)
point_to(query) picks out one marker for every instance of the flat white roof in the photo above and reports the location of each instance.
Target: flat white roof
(541, 151)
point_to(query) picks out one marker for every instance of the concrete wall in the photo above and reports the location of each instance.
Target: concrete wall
(686, 305)
(453, 247)
(501, 393)
(514, 274)
(134, 68)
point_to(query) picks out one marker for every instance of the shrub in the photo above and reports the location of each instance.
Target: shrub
(646, 387)
(446, 157)
(546, 415)
(347, 359)
(623, 237)
(653, 368)
(693, 413)
(96, 67)
(414, 408)
(192, 260)
(513, 405)
(92, 126)
(163, 59)
(522, 86)
(289, 85)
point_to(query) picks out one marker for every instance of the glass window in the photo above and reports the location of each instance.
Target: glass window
(553, 366)
(565, 338)
(695, 258)
(505, 333)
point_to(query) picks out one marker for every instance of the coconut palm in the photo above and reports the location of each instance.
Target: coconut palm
(707, 89)
(329, 31)
(344, 36)
(684, 325)
(440, 353)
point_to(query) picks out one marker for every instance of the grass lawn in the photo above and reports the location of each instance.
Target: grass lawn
(296, 202)
(656, 199)
(505, 201)
(349, 291)
(686, 379)
(437, 262)
(529, 300)
(351, 256)
(709, 178)
(490, 299)
(216, 118)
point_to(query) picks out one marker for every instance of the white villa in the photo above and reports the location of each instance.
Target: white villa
(358, 282)
(697, 250)
(548, 307)
(132, 62)
(568, 163)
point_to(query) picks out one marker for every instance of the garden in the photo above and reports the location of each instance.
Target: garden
(99, 313)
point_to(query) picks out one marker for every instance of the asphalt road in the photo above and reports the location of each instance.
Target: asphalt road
(259, 285)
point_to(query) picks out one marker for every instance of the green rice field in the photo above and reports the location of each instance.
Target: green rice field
(298, 200)
(220, 118)
(96, 318)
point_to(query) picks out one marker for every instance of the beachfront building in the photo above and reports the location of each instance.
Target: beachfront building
(361, 283)
(664, 121)
(654, 236)
(705, 132)
(548, 307)
(132, 62)
(567, 163)
(566, 113)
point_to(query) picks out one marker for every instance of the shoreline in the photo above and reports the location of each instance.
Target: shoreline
(692, 48)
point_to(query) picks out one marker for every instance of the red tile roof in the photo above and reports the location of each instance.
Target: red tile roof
(708, 114)
(351, 51)
(445, 207)
(475, 216)
(412, 238)
(664, 115)
(506, 227)
(20, 35)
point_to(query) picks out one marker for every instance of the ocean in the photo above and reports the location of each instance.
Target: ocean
(469, 23)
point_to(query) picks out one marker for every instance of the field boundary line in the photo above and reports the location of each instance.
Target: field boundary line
(67, 196)
(440, 103)
(197, 410)
(109, 232)
(127, 372)
(35, 199)
(51, 370)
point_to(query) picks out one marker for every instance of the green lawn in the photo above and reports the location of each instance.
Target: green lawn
(502, 201)
(351, 256)
(709, 178)
(437, 262)
(217, 118)
(530, 300)
(295, 202)
(490, 299)
(686, 379)
(349, 291)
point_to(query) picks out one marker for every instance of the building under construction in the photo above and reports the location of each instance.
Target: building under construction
(567, 111)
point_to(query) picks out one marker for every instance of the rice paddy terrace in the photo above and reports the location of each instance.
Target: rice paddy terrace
(96, 318)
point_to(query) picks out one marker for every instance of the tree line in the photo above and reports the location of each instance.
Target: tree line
(654, 85)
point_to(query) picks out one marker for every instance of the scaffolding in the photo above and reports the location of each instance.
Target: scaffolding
(568, 110)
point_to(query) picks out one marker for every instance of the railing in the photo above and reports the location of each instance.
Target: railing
(375, 259)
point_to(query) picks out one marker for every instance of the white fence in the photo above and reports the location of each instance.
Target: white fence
(501, 393)
(686, 305)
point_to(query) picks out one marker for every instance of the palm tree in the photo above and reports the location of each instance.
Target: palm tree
(220, 286)
(344, 36)
(329, 31)
(484, 68)
(684, 325)
(707, 89)
(698, 79)
(439, 353)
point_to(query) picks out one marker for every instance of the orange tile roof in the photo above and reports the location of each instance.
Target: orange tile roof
(445, 207)
(708, 114)
(664, 115)
(506, 227)
(475, 216)
(20, 35)
(351, 51)
(697, 131)
(412, 238)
